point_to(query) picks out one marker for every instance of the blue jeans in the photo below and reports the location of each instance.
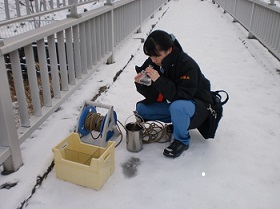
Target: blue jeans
(178, 113)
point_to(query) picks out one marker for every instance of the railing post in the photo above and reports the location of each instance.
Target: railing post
(272, 3)
(154, 5)
(111, 59)
(234, 11)
(17, 8)
(37, 6)
(6, 5)
(250, 35)
(225, 7)
(73, 10)
(8, 137)
(140, 16)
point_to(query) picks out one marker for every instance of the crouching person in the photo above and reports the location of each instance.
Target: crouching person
(177, 91)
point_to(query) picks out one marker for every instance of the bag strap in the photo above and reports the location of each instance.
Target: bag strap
(222, 91)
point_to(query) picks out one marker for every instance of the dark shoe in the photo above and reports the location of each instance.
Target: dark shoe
(175, 149)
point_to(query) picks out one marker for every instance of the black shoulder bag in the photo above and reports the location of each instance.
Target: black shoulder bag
(210, 125)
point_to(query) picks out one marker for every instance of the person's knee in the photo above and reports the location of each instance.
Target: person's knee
(183, 106)
(140, 108)
(176, 105)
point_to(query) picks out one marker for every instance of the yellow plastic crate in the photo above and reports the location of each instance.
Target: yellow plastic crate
(84, 164)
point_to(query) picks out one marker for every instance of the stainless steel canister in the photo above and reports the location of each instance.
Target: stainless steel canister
(134, 137)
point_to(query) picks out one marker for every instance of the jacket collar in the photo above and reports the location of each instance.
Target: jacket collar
(170, 59)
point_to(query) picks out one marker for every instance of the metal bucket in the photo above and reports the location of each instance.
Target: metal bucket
(134, 137)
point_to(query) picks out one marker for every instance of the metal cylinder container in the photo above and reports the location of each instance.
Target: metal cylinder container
(134, 137)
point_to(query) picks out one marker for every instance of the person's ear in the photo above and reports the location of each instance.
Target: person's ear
(170, 50)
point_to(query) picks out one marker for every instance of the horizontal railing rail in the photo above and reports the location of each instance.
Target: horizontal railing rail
(261, 19)
(15, 9)
(22, 22)
(56, 60)
(16, 28)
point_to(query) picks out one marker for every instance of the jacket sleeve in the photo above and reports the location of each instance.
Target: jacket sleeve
(150, 93)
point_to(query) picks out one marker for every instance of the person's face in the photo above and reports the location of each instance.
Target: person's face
(162, 54)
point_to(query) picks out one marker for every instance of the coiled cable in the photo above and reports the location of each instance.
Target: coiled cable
(93, 122)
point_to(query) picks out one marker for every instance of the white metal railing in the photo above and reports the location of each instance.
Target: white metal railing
(16, 28)
(260, 18)
(21, 8)
(64, 54)
(17, 22)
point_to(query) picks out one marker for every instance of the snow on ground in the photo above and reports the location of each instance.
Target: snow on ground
(239, 169)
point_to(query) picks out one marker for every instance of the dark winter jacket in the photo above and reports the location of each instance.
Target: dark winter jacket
(182, 79)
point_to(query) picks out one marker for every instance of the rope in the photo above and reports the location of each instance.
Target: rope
(120, 133)
(93, 121)
(154, 132)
